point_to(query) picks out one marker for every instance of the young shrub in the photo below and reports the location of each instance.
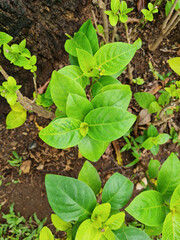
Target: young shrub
(77, 211)
(159, 209)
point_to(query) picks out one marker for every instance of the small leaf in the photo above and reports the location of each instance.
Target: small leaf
(116, 221)
(86, 60)
(46, 234)
(59, 223)
(175, 64)
(162, 138)
(115, 5)
(169, 176)
(92, 149)
(152, 131)
(144, 99)
(117, 191)
(62, 133)
(153, 168)
(4, 38)
(102, 211)
(148, 143)
(22, 45)
(15, 119)
(77, 107)
(90, 176)
(33, 60)
(70, 199)
(148, 207)
(154, 107)
(138, 45)
(83, 129)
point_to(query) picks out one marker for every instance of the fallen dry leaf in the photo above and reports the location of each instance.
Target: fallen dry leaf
(40, 166)
(118, 153)
(25, 166)
(178, 52)
(141, 4)
(144, 117)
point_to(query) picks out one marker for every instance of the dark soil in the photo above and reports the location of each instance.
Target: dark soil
(44, 24)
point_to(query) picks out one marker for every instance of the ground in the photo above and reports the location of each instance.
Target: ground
(27, 190)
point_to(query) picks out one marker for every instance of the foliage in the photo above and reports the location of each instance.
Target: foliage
(148, 14)
(16, 160)
(16, 227)
(77, 211)
(152, 139)
(119, 11)
(169, 5)
(159, 209)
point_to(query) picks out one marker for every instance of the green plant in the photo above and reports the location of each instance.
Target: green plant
(17, 227)
(152, 139)
(174, 135)
(77, 211)
(159, 209)
(148, 14)
(16, 160)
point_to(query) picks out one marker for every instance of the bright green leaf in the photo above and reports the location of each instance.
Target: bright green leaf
(144, 99)
(116, 221)
(4, 38)
(162, 138)
(46, 234)
(59, 223)
(15, 119)
(171, 227)
(102, 211)
(175, 64)
(153, 168)
(131, 233)
(86, 60)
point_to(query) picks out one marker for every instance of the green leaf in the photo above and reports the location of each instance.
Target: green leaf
(11, 98)
(15, 119)
(153, 168)
(77, 107)
(169, 176)
(4, 38)
(174, 63)
(70, 199)
(131, 233)
(115, 5)
(155, 149)
(46, 234)
(119, 98)
(144, 99)
(62, 133)
(164, 98)
(84, 129)
(117, 191)
(17, 107)
(33, 60)
(108, 234)
(113, 19)
(86, 61)
(116, 221)
(59, 223)
(75, 73)
(113, 57)
(152, 131)
(90, 176)
(123, 18)
(78, 41)
(138, 45)
(171, 227)
(154, 107)
(175, 200)
(21, 61)
(11, 82)
(148, 143)
(92, 149)
(60, 88)
(87, 231)
(22, 45)
(108, 123)
(148, 207)
(113, 86)
(102, 211)
(101, 82)
(90, 32)
(154, 231)
(162, 138)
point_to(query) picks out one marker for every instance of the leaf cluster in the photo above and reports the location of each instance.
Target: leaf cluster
(148, 13)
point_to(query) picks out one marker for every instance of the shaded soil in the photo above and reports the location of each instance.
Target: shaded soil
(45, 26)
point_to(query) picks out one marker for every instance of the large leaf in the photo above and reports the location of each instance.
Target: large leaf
(90, 176)
(15, 119)
(75, 73)
(148, 207)
(78, 41)
(77, 107)
(169, 176)
(119, 98)
(130, 233)
(61, 86)
(144, 99)
(113, 57)
(171, 227)
(108, 123)
(88, 29)
(92, 149)
(117, 191)
(175, 200)
(70, 199)
(175, 64)
(103, 81)
(62, 133)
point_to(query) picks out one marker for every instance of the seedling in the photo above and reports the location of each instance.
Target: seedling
(77, 211)
(151, 207)
(16, 226)
(16, 160)
(148, 13)
(174, 135)
(152, 139)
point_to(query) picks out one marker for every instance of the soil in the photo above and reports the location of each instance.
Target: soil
(44, 25)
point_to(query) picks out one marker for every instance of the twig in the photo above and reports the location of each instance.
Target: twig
(28, 104)
(114, 34)
(102, 6)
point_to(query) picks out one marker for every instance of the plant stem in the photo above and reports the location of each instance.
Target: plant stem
(28, 104)
(102, 6)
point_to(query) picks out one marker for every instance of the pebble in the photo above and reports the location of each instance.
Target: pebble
(32, 145)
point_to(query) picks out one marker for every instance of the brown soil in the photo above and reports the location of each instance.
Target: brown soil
(60, 17)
